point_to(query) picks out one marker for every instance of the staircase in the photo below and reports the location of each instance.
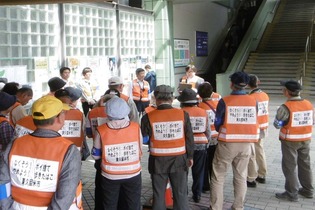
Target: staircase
(281, 51)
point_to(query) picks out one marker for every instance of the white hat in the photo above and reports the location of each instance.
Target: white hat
(115, 81)
(117, 109)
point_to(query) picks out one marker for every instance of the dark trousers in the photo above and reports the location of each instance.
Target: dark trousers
(114, 189)
(179, 188)
(198, 170)
(141, 105)
(98, 201)
(86, 107)
(208, 167)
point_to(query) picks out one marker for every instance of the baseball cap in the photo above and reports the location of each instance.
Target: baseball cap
(187, 96)
(56, 83)
(291, 85)
(47, 107)
(117, 109)
(162, 89)
(6, 100)
(115, 81)
(74, 93)
(240, 79)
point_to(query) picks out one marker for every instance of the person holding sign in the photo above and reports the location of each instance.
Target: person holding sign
(236, 122)
(42, 169)
(295, 119)
(171, 145)
(259, 157)
(118, 144)
(202, 135)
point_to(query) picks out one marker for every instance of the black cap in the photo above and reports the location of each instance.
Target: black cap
(163, 89)
(74, 93)
(6, 100)
(240, 79)
(187, 96)
(55, 84)
(291, 85)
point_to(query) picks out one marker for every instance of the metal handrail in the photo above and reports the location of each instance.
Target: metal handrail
(307, 49)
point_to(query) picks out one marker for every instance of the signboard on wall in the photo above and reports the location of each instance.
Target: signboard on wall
(181, 52)
(201, 43)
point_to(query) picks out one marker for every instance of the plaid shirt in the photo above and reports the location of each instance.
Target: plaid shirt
(6, 133)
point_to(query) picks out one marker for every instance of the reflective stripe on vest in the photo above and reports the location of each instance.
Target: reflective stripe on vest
(138, 93)
(167, 132)
(120, 149)
(300, 125)
(240, 122)
(198, 119)
(41, 159)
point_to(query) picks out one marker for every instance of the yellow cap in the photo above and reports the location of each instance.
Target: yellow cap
(47, 107)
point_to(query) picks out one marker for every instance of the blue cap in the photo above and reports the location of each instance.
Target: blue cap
(117, 109)
(240, 79)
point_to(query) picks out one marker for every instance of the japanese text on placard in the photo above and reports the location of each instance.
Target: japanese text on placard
(71, 128)
(198, 124)
(122, 153)
(34, 174)
(168, 130)
(241, 115)
(302, 118)
(262, 108)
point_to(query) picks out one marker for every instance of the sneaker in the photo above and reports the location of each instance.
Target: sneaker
(261, 180)
(251, 184)
(304, 193)
(285, 196)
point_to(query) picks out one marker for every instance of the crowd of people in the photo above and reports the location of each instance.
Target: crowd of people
(41, 151)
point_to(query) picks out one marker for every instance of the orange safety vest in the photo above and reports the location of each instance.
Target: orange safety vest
(123, 96)
(198, 119)
(10, 115)
(73, 127)
(211, 109)
(24, 126)
(138, 93)
(149, 109)
(263, 114)
(121, 150)
(300, 125)
(240, 123)
(97, 117)
(168, 135)
(34, 172)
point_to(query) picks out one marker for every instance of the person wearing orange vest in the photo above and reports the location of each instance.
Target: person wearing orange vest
(97, 117)
(171, 145)
(191, 77)
(140, 91)
(236, 123)
(43, 169)
(257, 166)
(7, 102)
(118, 144)
(23, 96)
(202, 135)
(295, 119)
(24, 126)
(209, 103)
(74, 126)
